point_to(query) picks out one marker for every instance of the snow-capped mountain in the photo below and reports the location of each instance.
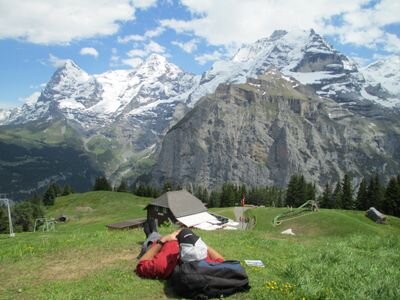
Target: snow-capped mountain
(106, 97)
(383, 78)
(303, 55)
(118, 118)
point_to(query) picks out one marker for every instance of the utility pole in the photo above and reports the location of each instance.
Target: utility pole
(7, 201)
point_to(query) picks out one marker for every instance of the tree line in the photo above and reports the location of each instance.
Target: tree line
(370, 192)
(24, 213)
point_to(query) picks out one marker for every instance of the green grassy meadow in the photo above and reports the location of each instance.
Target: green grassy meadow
(335, 254)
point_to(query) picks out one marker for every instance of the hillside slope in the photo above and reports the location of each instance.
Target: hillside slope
(83, 260)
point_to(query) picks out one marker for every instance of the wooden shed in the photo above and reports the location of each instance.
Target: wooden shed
(173, 205)
(375, 215)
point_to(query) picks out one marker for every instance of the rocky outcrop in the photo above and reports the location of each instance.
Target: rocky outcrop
(264, 131)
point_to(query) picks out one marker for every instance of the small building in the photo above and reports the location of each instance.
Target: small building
(175, 205)
(375, 215)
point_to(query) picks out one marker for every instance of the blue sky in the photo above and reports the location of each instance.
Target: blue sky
(36, 36)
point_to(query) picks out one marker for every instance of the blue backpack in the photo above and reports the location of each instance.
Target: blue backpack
(203, 280)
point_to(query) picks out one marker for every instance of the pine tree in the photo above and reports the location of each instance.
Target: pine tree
(123, 187)
(336, 201)
(291, 196)
(56, 188)
(397, 201)
(347, 193)
(3, 219)
(214, 200)
(301, 191)
(49, 196)
(362, 196)
(228, 195)
(310, 191)
(66, 190)
(23, 216)
(102, 184)
(326, 197)
(375, 193)
(391, 197)
(167, 187)
(141, 190)
(38, 210)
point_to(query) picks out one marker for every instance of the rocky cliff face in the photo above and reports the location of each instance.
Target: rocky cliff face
(264, 131)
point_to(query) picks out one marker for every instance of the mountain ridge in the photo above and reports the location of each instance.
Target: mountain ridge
(264, 131)
(122, 116)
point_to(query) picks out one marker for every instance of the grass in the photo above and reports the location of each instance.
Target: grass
(334, 255)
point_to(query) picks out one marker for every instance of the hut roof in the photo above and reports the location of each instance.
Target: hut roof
(181, 203)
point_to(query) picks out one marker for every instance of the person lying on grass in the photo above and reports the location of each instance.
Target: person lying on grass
(160, 254)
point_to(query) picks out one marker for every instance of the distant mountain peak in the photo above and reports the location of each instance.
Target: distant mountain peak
(69, 70)
(156, 58)
(384, 74)
(156, 65)
(69, 63)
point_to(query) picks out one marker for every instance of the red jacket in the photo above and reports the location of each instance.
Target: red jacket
(163, 263)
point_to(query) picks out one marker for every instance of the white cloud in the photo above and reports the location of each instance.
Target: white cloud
(115, 59)
(233, 22)
(392, 43)
(56, 61)
(189, 46)
(89, 51)
(131, 38)
(153, 47)
(133, 62)
(141, 38)
(137, 52)
(154, 32)
(39, 86)
(60, 22)
(147, 49)
(248, 21)
(366, 26)
(144, 4)
(209, 57)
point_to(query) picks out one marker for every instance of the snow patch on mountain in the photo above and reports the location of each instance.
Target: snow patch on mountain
(303, 55)
(113, 84)
(383, 78)
(4, 114)
(93, 100)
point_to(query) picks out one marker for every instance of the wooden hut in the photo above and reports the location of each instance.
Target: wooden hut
(375, 215)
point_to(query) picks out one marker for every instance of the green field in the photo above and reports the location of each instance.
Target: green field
(335, 254)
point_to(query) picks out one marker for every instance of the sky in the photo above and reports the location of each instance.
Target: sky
(37, 36)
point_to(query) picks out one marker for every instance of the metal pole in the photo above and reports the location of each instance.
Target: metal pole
(12, 234)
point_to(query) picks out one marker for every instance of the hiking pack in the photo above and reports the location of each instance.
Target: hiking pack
(203, 280)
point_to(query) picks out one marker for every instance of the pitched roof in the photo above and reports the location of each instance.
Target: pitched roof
(181, 203)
